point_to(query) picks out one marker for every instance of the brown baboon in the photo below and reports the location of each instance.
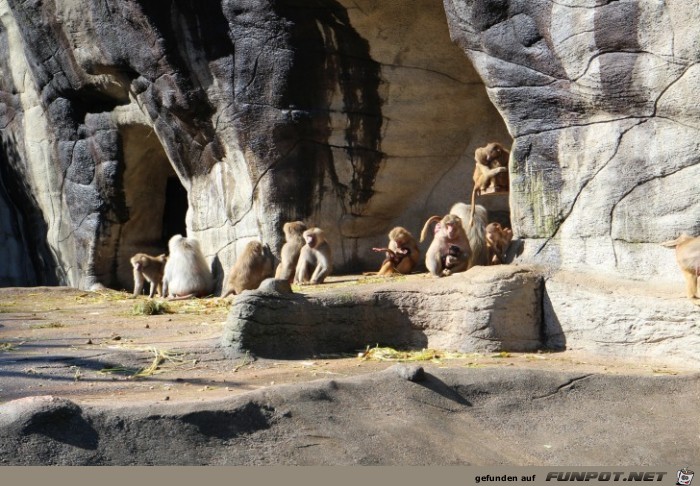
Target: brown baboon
(254, 265)
(688, 258)
(491, 168)
(402, 253)
(315, 259)
(498, 239)
(294, 240)
(148, 268)
(490, 172)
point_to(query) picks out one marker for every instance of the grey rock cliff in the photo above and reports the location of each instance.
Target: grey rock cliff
(125, 122)
(598, 97)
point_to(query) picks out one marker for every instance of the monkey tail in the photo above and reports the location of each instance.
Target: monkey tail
(432, 219)
(473, 208)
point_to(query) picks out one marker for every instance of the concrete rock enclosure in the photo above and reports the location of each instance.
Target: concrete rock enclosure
(126, 122)
(597, 96)
(510, 308)
(486, 309)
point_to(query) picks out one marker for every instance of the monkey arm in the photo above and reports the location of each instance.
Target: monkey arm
(138, 280)
(487, 176)
(322, 270)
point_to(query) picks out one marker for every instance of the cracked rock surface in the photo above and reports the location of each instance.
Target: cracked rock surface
(127, 121)
(607, 142)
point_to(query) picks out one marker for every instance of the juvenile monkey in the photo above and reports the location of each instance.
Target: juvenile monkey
(254, 265)
(315, 259)
(497, 241)
(186, 272)
(450, 260)
(688, 258)
(450, 240)
(402, 254)
(490, 172)
(148, 268)
(491, 168)
(294, 240)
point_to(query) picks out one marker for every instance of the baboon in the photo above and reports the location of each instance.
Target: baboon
(315, 259)
(491, 168)
(490, 172)
(450, 260)
(254, 265)
(186, 273)
(688, 258)
(474, 218)
(498, 239)
(449, 239)
(148, 268)
(402, 253)
(294, 240)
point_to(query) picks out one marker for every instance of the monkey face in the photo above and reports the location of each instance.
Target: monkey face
(401, 242)
(493, 151)
(313, 237)
(450, 230)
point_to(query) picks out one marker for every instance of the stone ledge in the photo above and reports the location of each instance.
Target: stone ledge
(483, 310)
(622, 318)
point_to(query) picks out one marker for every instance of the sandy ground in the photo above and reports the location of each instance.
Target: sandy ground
(94, 347)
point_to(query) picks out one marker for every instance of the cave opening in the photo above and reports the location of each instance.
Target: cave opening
(156, 200)
(176, 202)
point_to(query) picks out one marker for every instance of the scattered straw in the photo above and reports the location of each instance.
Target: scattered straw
(4, 346)
(245, 361)
(150, 307)
(106, 295)
(159, 357)
(214, 305)
(391, 354)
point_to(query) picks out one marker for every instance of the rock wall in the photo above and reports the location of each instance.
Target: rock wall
(598, 97)
(125, 122)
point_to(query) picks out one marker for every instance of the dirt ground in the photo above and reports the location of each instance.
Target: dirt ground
(100, 348)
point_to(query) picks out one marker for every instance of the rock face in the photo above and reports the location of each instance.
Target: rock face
(485, 309)
(596, 95)
(640, 321)
(125, 122)
(128, 121)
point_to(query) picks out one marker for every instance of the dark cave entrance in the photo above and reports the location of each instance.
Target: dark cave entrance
(174, 217)
(156, 199)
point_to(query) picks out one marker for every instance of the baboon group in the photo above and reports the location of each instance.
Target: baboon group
(461, 239)
(184, 273)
